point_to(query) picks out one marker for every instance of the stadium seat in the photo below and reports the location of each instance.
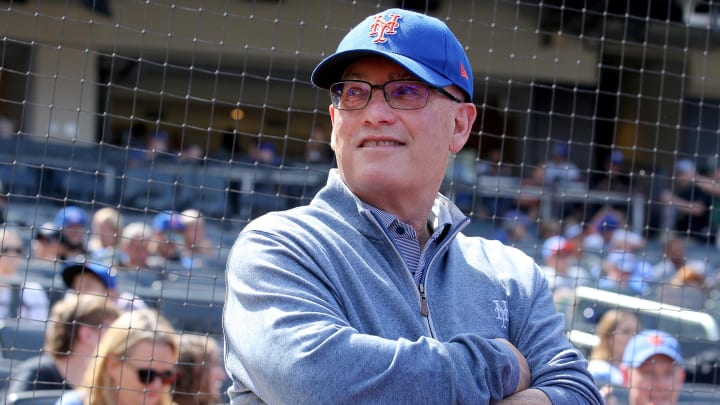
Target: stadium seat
(21, 339)
(207, 192)
(40, 397)
(152, 188)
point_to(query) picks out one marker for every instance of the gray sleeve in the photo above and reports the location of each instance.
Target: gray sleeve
(557, 367)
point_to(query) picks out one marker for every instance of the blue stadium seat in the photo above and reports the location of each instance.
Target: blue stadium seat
(21, 339)
(152, 188)
(19, 179)
(40, 397)
(207, 192)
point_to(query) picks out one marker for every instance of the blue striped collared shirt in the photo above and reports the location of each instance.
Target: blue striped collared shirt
(406, 241)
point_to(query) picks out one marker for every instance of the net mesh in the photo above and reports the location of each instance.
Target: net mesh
(598, 123)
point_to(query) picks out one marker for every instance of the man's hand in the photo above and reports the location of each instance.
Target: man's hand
(525, 376)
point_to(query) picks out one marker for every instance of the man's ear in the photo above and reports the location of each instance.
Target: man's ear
(465, 114)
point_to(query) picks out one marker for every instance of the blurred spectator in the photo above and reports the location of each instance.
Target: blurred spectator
(166, 241)
(559, 170)
(195, 238)
(98, 279)
(674, 257)
(687, 205)
(134, 244)
(104, 233)
(317, 150)
(530, 201)
(515, 229)
(711, 185)
(75, 326)
(687, 288)
(617, 272)
(266, 196)
(560, 265)
(18, 298)
(73, 222)
(265, 154)
(135, 363)
(461, 176)
(193, 155)
(491, 164)
(157, 146)
(643, 276)
(614, 329)
(601, 229)
(200, 372)
(652, 368)
(46, 246)
(8, 129)
(614, 178)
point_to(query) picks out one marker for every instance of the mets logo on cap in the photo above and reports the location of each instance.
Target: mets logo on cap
(380, 27)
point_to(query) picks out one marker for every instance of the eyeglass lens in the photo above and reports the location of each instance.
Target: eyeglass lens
(400, 94)
(148, 375)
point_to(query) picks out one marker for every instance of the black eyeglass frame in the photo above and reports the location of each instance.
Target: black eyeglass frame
(335, 97)
(147, 376)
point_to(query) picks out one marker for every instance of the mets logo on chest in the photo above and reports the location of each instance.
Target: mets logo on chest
(380, 28)
(502, 312)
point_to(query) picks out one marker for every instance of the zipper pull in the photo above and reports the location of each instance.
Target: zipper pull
(424, 309)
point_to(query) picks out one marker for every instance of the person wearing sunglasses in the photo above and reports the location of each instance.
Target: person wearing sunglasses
(73, 332)
(135, 363)
(372, 293)
(18, 296)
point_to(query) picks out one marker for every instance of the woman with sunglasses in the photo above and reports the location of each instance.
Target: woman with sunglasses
(135, 364)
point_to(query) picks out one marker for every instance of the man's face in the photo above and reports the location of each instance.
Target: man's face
(88, 283)
(658, 381)
(382, 150)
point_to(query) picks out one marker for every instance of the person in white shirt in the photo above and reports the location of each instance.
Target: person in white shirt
(18, 297)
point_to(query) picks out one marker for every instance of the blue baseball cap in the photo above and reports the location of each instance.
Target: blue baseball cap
(71, 215)
(608, 223)
(649, 343)
(106, 274)
(421, 44)
(617, 157)
(168, 221)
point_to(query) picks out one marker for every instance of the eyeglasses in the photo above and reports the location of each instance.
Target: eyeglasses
(399, 94)
(12, 249)
(147, 376)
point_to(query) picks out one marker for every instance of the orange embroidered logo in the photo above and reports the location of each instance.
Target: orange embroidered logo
(655, 340)
(463, 72)
(379, 28)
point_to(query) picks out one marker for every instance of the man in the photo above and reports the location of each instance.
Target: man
(560, 267)
(73, 223)
(74, 329)
(98, 279)
(688, 204)
(653, 369)
(371, 294)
